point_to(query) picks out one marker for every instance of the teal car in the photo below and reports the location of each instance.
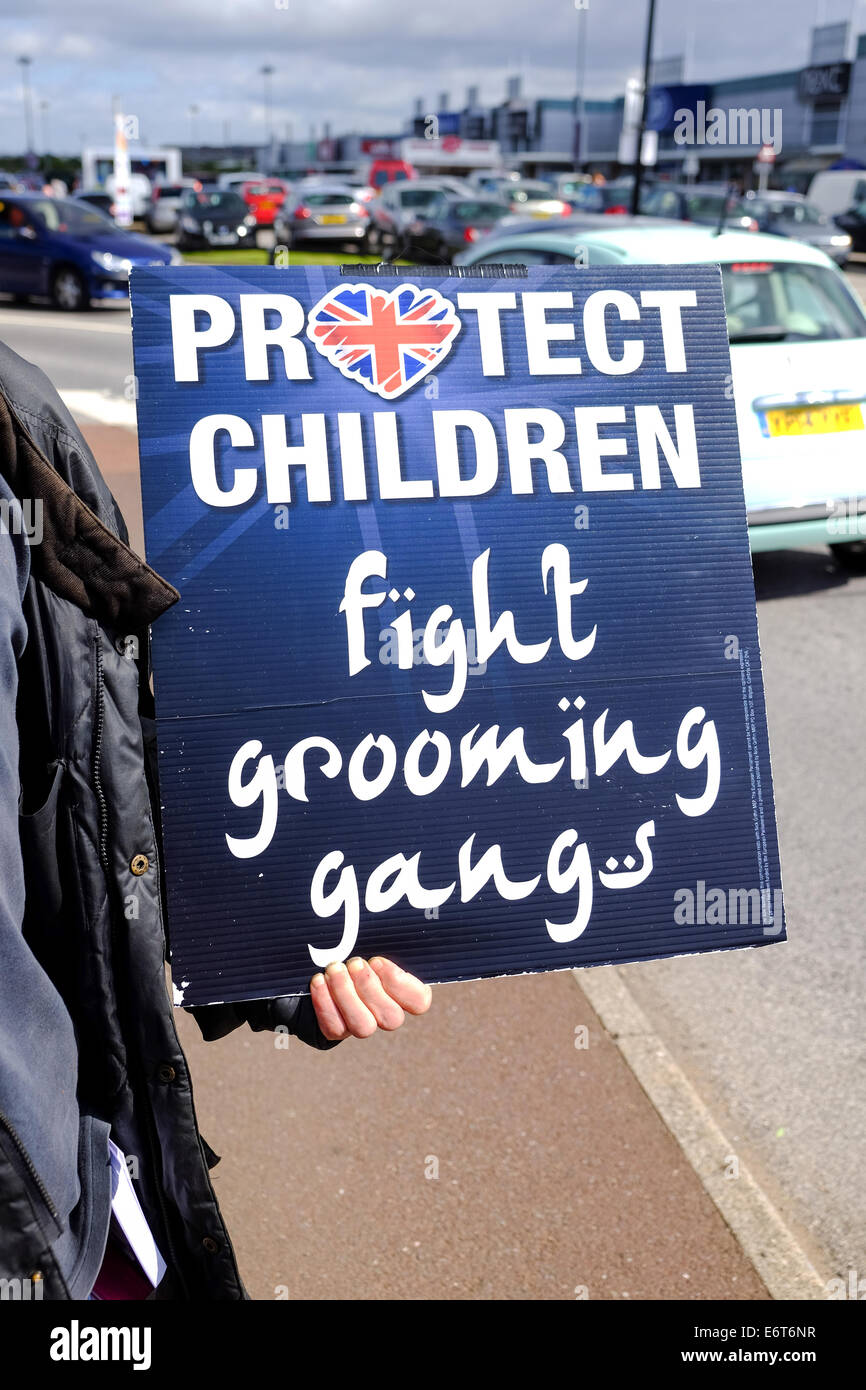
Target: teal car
(798, 359)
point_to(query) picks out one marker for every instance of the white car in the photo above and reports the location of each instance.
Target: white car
(412, 198)
(798, 359)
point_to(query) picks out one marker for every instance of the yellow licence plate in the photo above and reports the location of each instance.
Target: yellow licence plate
(333, 217)
(814, 419)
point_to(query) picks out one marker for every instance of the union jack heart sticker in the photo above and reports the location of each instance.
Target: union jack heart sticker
(386, 340)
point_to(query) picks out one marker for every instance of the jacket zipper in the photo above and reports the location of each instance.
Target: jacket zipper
(28, 1164)
(102, 845)
(102, 839)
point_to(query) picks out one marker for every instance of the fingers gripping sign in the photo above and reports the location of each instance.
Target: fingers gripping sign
(359, 999)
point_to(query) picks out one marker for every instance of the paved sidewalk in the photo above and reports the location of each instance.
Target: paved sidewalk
(554, 1170)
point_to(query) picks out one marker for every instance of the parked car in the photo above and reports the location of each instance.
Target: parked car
(852, 225)
(567, 185)
(384, 171)
(406, 202)
(833, 191)
(264, 198)
(447, 225)
(212, 216)
(695, 202)
(96, 198)
(140, 191)
(69, 251)
(790, 214)
(535, 199)
(608, 198)
(236, 178)
(333, 214)
(516, 224)
(493, 183)
(798, 357)
(164, 207)
(363, 190)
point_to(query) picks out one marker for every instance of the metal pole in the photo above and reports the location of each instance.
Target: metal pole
(580, 105)
(28, 103)
(267, 72)
(647, 59)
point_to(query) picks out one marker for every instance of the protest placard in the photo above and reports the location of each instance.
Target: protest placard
(465, 669)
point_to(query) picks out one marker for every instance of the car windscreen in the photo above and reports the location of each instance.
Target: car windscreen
(419, 197)
(802, 213)
(335, 199)
(598, 197)
(477, 211)
(62, 215)
(786, 303)
(528, 194)
(709, 205)
(228, 203)
(171, 190)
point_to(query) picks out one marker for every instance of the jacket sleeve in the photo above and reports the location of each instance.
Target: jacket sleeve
(293, 1012)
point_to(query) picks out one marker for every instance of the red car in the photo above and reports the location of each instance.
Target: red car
(264, 198)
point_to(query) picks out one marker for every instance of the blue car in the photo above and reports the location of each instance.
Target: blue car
(69, 251)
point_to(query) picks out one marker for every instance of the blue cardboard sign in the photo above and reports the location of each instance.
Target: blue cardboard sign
(465, 670)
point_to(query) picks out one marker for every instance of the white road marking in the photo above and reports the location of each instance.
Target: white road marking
(101, 407)
(773, 1249)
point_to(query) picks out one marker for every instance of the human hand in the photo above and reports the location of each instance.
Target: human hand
(358, 999)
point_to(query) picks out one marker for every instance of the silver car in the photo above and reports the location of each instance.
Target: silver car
(410, 199)
(163, 209)
(326, 213)
(790, 214)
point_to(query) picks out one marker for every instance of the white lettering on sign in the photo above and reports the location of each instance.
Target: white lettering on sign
(271, 328)
(376, 762)
(467, 457)
(190, 341)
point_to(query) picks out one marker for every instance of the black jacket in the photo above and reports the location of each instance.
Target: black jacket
(94, 911)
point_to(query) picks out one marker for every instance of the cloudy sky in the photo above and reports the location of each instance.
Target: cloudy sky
(358, 65)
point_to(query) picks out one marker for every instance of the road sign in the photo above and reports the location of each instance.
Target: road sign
(465, 668)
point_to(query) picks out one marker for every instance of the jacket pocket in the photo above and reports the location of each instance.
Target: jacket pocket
(40, 853)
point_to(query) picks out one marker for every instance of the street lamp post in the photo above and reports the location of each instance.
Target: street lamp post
(580, 105)
(28, 103)
(43, 111)
(267, 73)
(647, 59)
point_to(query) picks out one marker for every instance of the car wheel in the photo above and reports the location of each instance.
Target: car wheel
(851, 555)
(69, 289)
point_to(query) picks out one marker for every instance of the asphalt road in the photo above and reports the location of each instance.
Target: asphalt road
(554, 1171)
(91, 351)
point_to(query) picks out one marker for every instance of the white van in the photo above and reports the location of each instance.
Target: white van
(836, 190)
